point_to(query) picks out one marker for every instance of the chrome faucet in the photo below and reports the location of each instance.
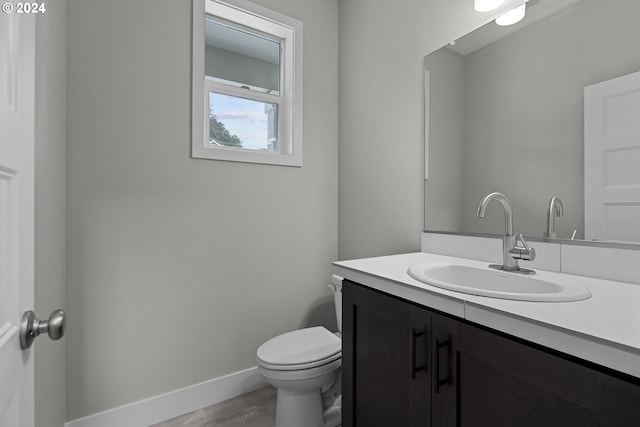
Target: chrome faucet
(511, 252)
(555, 209)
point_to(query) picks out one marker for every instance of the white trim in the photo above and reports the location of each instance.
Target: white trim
(427, 100)
(290, 99)
(175, 403)
(246, 14)
(214, 85)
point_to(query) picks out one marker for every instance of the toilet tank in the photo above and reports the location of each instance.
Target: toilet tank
(336, 287)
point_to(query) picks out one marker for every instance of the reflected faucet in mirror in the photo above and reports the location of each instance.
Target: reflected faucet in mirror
(511, 252)
(555, 210)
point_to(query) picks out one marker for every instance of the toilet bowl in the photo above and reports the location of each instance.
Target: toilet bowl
(304, 366)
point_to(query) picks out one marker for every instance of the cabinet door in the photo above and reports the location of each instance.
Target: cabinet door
(385, 347)
(619, 401)
(505, 383)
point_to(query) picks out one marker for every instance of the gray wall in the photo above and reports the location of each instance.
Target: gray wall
(178, 269)
(381, 174)
(50, 209)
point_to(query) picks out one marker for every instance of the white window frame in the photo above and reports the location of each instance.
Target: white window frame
(289, 99)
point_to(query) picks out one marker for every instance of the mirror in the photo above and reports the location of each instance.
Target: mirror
(505, 113)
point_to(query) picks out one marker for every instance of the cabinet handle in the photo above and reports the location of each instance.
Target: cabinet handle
(415, 369)
(438, 381)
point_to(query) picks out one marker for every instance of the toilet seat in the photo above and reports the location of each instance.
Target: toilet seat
(295, 377)
(301, 349)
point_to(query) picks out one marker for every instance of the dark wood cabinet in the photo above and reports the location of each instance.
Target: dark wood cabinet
(385, 357)
(407, 365)
(504, 383)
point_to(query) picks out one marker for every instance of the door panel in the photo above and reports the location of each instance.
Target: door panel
(385, 354)
(17, 120)
(495, 398)
(382, 363)
(612, 159)
(504, 383)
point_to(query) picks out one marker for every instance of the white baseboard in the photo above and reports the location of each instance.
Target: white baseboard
(170, 405)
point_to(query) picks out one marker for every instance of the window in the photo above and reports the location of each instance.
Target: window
(247, 62)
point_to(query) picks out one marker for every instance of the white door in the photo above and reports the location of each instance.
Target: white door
(17, 82)
(612, 159)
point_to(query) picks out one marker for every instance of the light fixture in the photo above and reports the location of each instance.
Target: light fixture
(486, 5)
(511, 17)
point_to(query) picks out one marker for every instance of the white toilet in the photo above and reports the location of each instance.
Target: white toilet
(304, 365)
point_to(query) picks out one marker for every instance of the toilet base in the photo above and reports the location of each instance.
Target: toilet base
(333, 414)
(295, 409)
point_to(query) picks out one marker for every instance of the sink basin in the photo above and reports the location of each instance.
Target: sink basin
(484, 281)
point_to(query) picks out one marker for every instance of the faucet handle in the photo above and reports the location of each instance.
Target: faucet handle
(524, 252)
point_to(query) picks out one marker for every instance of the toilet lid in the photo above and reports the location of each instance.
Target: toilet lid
(301, 349)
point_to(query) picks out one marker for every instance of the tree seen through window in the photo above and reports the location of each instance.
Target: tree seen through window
(218, 133)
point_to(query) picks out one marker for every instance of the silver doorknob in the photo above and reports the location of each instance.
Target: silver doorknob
(30, 327)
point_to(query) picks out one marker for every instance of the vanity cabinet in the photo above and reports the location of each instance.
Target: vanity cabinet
(407, 365)
(385, 360)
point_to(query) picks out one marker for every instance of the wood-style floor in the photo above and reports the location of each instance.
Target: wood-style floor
(254, 409)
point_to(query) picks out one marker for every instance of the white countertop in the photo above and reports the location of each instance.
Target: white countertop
(604, 329)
